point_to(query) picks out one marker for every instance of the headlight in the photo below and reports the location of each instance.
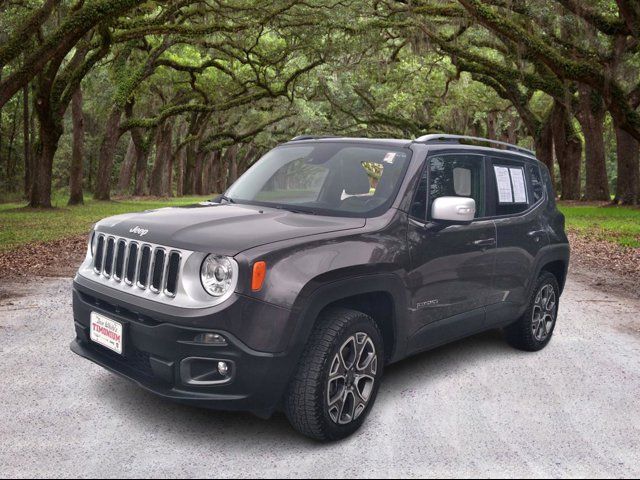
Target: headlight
(217, 275)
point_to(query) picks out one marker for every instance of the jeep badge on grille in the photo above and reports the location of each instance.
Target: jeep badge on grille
(139, 231)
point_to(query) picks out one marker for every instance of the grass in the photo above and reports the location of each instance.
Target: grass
(619, 225)
(20, 225)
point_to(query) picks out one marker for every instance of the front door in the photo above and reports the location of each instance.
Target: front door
(452, 266)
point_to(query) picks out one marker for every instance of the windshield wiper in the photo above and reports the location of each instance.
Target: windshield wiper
(225, 198)
(294, 210)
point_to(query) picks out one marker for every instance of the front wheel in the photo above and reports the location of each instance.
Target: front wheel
(337, 380)
(533, 331)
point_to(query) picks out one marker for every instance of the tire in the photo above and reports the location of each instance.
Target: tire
(533, 331)
(341, 368)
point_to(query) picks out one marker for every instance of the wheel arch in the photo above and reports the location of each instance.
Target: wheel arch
(381, 296)
(558, 269)
(555, 260)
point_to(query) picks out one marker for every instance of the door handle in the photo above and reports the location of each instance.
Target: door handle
(536, 234)
(488, 242)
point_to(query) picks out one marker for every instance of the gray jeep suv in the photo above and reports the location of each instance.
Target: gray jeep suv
(329, 259)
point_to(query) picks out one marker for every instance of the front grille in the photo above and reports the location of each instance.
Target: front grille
(144, 266)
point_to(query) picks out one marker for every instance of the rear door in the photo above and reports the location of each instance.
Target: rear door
(451, 265)
(515, 199)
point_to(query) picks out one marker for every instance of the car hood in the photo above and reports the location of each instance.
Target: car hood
(223, 229)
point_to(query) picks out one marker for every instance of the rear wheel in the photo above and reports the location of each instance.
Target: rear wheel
(337, 380)
(533, 331)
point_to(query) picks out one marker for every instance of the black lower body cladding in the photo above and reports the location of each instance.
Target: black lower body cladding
(160, 354)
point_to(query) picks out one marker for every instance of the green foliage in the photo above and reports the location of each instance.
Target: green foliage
(21, 225)
(253, 73)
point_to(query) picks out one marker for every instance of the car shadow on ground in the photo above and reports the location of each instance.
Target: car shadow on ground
(153, 414)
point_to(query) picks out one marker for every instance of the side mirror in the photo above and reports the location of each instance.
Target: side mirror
(454, 209)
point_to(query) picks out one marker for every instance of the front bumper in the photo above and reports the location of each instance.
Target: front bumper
(161, 356)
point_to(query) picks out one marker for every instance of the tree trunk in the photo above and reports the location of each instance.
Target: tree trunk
(492, 121)
(26, 141)
(206, 173)
(77, 153)
(169, 169)
(112, 134)
(155, 179)
(190, 170)
(628, 183)
(50, 131)
(231, 160)
(1, 132)
(40, 192)
(9, 154)
(159, 176)
(568, 149)
(142, 154)
(198, 173)
(215, 173)
(180, 176)
(126, 170)
(510, 134)
(543, 140)
(591, 117)
(194, 129)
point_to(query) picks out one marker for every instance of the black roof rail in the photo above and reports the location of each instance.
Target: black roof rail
(444, 138)
(311, 137)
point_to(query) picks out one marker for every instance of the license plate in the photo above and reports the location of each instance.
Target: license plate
(106, 332)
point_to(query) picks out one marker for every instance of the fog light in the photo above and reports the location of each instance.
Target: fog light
(223, 368)
(210, 339)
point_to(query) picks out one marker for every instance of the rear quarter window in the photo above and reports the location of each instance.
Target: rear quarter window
(548, 185)
(536, 184)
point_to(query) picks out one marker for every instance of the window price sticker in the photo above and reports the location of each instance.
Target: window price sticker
(519, 187)
(503, 179)
(511, 184)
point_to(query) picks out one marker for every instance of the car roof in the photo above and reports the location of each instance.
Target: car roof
(373, 141)
(488, 150)
(432, 141)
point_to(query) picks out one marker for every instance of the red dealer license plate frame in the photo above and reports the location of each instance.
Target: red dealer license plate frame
(107, 332)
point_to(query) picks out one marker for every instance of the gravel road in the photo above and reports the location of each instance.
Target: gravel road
(473, 408)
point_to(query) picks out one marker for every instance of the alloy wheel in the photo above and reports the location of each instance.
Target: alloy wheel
(351, 379)
(544, 313)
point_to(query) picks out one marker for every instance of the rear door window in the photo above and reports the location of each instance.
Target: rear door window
(513, 186)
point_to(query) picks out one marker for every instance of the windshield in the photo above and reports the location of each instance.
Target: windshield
(326, 178)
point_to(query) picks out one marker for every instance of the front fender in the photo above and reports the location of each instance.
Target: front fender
(304, 264)
(313, 299)
(306, 275)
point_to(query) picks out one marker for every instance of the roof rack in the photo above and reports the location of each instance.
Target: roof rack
(442, 138)
(311, 137)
